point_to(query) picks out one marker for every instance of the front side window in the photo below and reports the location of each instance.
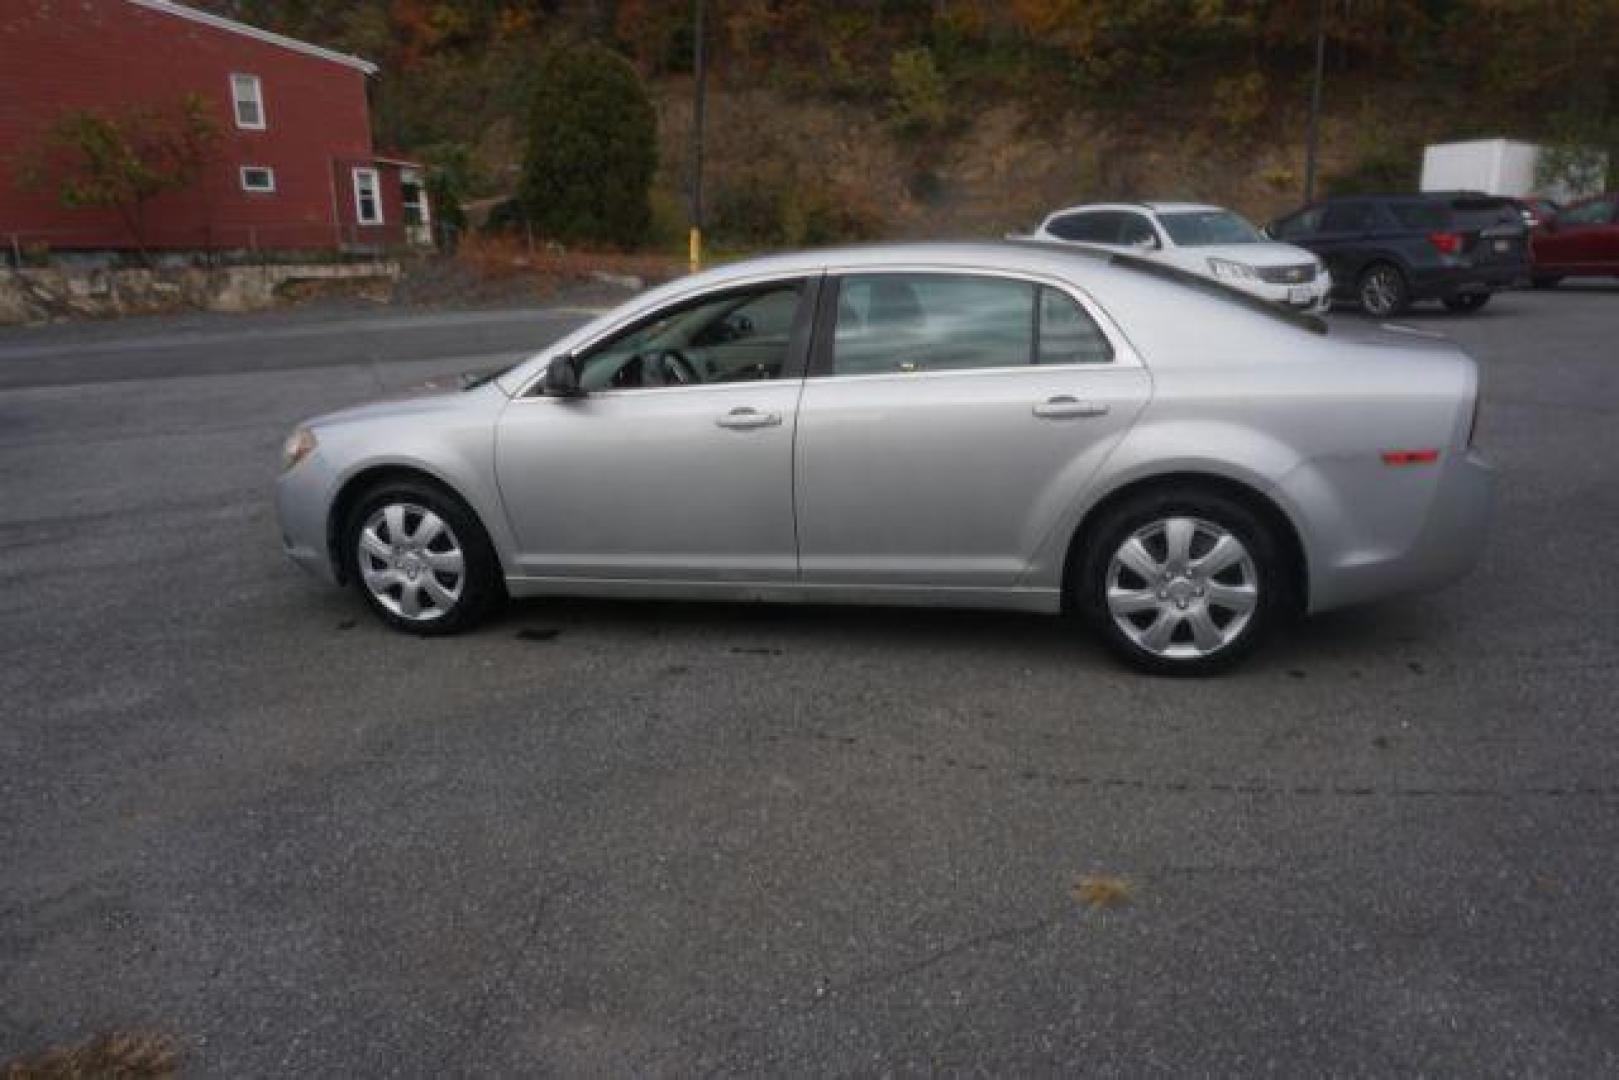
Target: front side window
(741, 336)
(1304, 223)
(1595, 212)
(901, 323)
(1349, 217)
(1200, 228)
(248, 95)
(367, 197)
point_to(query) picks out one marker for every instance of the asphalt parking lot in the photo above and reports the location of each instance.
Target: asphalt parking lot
(652, 838)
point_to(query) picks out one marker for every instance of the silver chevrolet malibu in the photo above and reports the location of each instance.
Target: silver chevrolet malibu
(997, 425)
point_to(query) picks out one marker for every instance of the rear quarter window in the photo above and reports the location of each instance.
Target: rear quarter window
(1422, 216)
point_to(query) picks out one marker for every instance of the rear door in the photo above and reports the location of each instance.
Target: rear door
(949, 420)
(1584, 238)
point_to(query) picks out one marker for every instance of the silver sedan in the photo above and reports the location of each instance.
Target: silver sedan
(997, 425)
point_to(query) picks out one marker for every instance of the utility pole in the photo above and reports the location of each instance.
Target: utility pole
(1314, 136)
(700, 71)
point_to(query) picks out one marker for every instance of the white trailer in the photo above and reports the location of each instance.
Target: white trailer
(1500, 167)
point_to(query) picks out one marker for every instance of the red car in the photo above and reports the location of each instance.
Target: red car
(1581, 240)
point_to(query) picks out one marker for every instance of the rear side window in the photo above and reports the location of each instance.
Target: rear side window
(1067, 334)
(1421, 216)
(897, 323)
(1596, 212)
(1088, 228)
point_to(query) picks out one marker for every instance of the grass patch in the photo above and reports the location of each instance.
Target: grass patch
(118, 1055)
(1103, 891)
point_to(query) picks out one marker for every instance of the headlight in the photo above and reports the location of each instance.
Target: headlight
(1227, 270)
(299, 445)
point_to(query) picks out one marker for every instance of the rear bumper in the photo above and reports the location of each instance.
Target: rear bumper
(1439, 283)
(1447, 546)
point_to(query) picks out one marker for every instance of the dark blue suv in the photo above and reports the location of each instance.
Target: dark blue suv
(1386, 251)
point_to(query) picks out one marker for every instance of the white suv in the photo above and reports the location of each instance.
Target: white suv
(1207, 240)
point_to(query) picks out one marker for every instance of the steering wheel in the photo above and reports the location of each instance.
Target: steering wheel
(674, 369)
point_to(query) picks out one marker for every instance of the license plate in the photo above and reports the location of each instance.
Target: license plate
(1298, 294)
(1502, 246)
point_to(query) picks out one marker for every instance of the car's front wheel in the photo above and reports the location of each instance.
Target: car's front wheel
(1383, 291)
(1182, 581)
(421, 559)
(1465, 302)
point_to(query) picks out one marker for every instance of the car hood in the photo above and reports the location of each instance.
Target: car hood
(1268, 253)
(434, 396)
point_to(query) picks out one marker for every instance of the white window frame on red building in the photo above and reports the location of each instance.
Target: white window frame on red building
(375, 185)
(240, 81)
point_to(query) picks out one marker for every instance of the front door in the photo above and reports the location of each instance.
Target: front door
(676, 464)
(1583, 239)
(949, 421)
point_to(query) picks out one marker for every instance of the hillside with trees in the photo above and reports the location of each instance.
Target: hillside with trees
(833, 119)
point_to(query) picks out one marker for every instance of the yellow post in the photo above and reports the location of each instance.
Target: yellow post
(696, 252)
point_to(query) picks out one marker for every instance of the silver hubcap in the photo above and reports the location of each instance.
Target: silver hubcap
(1379, 293)
(411, 562)
(1182, 588)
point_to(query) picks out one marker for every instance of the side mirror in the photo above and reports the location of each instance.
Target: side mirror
(562, 378)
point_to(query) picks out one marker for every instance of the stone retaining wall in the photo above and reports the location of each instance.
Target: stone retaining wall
(91, 292)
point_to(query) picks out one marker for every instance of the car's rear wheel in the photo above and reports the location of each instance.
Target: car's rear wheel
(1467, 301)
(1182, 581)
(1383, 291)
(421, 559)
(1545, 281)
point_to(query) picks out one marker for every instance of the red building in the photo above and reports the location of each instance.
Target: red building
(293, 168)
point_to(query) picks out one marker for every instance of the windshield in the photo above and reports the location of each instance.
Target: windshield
(1200, 228)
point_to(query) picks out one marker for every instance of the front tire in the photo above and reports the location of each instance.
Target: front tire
(1383, 291)
(1182, 581)
(1467, 302)
(420, 558)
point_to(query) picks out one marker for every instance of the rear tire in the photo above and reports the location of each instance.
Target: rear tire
(1383, 291)
(1182, 581)
(420, 558)
(1467, 302)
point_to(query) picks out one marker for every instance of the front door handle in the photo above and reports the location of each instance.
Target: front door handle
(745, 417)
(1063, 405)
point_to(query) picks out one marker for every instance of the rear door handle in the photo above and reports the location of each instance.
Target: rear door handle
(745, 417)
(1063, 405)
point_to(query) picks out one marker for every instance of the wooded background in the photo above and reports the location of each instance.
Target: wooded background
(832, 119)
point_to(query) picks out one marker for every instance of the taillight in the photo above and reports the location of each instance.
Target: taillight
(1446, 243)
(1410, 457)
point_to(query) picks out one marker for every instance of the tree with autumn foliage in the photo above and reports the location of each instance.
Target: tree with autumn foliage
(121, 160)
(592, 149)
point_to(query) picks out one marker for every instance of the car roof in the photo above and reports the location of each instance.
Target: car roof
(1153, 207)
